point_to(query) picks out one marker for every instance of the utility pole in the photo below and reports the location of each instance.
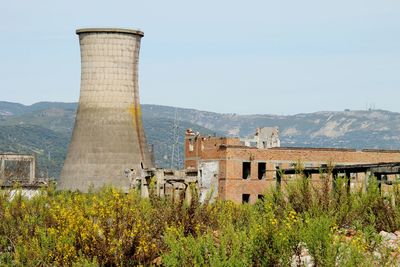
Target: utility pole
(175, 144)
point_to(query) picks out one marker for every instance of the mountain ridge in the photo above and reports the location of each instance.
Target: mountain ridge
(45, 104)
(52, 123)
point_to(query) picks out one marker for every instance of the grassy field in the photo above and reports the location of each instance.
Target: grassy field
(111, 228)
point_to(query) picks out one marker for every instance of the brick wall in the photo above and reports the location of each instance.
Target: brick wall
(231, 155)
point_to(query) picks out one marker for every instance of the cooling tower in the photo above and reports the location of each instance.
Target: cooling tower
(108, 136)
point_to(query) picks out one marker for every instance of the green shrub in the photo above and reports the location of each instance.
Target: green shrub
(317, 234)
(111, 228)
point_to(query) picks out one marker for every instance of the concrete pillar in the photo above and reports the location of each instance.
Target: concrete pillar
(160, 183)
(2, 170)
(173, 193)
(32, 167)
(188, 193)
(144, 188)
(162, 188)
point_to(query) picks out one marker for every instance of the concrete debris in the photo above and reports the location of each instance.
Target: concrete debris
(390, 240)
(304, 259)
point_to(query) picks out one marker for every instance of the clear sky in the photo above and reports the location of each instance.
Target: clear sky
(267, 56)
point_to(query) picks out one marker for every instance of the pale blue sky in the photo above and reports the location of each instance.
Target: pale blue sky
(279, 57)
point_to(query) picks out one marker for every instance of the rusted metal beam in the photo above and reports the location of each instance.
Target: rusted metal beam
(382, 168)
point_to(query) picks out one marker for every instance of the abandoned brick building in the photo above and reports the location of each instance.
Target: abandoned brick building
(233, 169)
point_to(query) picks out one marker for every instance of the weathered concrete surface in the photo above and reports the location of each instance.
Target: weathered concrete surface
(208, 180)
(265, 137)
(108, 137)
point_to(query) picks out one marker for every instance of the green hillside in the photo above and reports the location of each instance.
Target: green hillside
(45, 128)
(48, 146)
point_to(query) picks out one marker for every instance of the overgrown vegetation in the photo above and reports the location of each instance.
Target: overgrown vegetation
(111, 228)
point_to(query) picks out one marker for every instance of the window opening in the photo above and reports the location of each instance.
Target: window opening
(246, 169)
(262, 166)
(245, 198)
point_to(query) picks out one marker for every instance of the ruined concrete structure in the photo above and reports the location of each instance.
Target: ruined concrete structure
(17, 173)
(386, 173)
(108, 143)
(243, 174)
(265, 137)
(170, 183)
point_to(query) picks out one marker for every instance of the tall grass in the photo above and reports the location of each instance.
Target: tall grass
(111, 228)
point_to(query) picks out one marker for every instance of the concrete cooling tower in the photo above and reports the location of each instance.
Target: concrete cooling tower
(108, 137)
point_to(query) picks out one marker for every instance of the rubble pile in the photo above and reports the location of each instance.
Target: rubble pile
(390, 242)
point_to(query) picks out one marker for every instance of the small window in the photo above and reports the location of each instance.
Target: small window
(261, 169)
(246, 169)
(245, 198)
(261, 197)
